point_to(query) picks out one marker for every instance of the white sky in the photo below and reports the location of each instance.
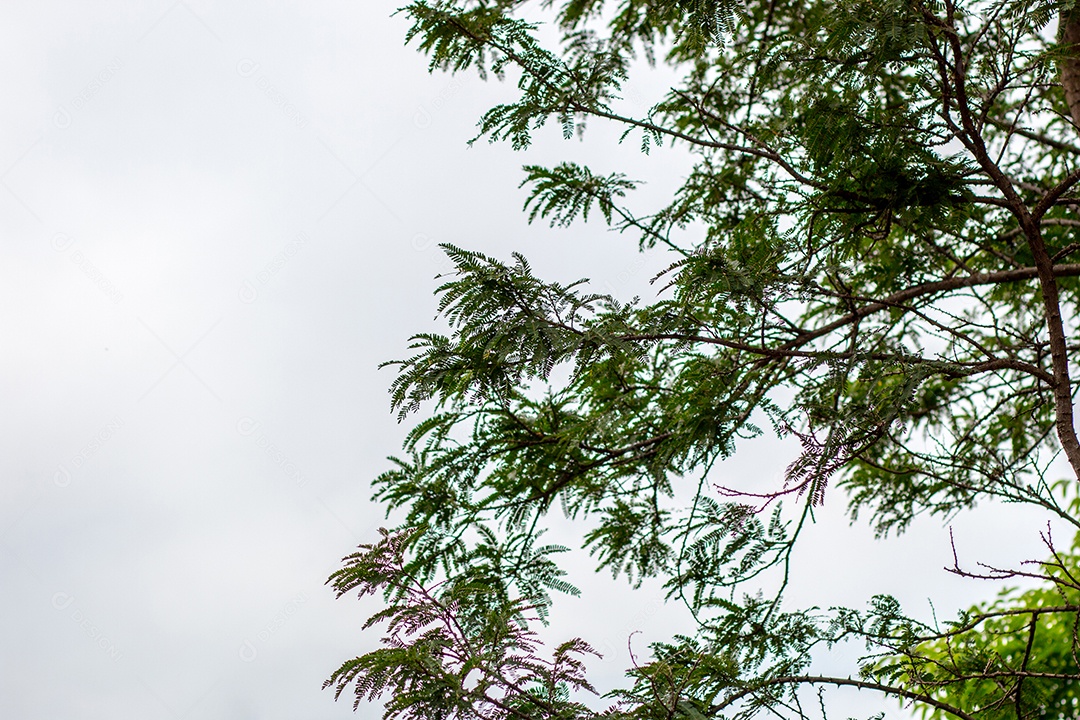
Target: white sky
(218, 218)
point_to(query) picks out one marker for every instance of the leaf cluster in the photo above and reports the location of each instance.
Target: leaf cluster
(872, 256)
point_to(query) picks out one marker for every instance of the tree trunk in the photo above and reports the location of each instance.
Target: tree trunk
(1069, 37)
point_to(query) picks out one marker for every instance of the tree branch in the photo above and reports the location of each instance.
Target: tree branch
(840, 682)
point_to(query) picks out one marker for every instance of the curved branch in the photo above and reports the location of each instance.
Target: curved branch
(1051, 197)
(840, 682)
(990, 278)
(1040, 138)
(577, 106)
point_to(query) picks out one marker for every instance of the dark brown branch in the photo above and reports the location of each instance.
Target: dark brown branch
(1023, 666)
(991, 278)
(1047, 201)
(1037, 137)
(1059, 354)
(840, 682)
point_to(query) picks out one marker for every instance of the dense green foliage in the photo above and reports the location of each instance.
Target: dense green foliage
(871, 254)
(1015, 657)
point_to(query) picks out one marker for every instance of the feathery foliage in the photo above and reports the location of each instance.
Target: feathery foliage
(874, 254)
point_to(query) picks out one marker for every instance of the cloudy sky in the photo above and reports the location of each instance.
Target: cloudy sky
(218, 218)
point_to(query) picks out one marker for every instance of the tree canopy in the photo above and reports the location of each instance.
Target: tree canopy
(875, 253)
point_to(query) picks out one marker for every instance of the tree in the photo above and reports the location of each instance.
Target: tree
(1015, 657)
(875, 254)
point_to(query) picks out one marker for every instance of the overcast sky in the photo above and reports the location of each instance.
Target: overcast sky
(218, 218)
